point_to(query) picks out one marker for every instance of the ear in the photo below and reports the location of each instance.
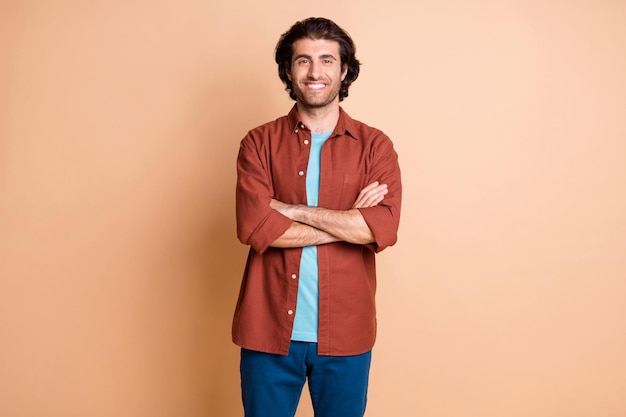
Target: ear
(288, 71)
(344, 72)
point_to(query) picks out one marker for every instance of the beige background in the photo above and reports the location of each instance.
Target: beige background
(119, 126)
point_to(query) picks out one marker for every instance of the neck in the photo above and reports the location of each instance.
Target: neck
(319, 119)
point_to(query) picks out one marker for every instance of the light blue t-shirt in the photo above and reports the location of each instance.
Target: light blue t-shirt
(306, 320)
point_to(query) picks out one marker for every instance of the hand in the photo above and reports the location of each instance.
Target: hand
(371, 195)
(283, 208)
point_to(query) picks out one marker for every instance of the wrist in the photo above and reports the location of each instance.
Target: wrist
(299, 213)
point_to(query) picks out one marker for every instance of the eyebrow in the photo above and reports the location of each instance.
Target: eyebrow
(323, 56)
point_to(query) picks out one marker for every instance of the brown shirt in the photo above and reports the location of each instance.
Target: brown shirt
(272, 163)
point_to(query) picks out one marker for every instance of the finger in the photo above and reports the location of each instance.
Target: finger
(374, 198)
(371, 197)
(369, 194)
(370, 186)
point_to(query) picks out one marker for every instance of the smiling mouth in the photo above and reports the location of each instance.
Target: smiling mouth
(315, 86)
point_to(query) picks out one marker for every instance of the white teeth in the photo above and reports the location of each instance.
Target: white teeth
(315, 86)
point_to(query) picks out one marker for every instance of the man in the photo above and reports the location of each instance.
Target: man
(318, 194)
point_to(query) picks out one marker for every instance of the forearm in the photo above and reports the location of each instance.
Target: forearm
(340, 225)
(346, 225)
(300, 235)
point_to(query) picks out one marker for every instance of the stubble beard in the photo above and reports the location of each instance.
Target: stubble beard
(317, 102)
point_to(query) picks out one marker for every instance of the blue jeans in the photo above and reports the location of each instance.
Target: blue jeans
(271, 385)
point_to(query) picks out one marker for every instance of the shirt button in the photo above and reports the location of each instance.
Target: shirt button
(301, 173)
(296, 131)
(306, 141)
(294, 276)
(290, 312)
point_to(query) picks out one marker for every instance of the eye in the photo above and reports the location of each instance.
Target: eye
(302, 61)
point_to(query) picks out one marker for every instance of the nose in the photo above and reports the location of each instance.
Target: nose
(314, 70)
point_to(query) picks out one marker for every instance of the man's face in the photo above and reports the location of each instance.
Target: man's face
(316, 73)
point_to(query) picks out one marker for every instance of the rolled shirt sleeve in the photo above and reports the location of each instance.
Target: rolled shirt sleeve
(384, 219)
(258, 225)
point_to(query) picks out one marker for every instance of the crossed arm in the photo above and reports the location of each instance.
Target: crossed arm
(318, 225)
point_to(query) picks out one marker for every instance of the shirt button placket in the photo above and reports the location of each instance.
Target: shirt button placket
(293, 277)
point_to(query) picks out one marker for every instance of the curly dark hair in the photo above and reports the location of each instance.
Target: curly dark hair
(317, 28)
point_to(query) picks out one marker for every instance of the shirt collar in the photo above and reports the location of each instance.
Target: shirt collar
(345, 124)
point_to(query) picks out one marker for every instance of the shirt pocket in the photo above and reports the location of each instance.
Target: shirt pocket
(350, 189)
